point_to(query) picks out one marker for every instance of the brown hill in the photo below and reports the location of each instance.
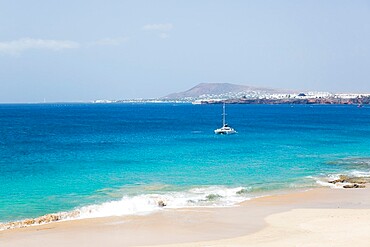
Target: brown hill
(218, 89)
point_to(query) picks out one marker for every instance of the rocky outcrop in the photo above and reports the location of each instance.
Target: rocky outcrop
(161, 204)
(341, 179)
(48, 218)
(212, 197)
(242, 191)
(358, 180)
(351, 186)
(351, 182)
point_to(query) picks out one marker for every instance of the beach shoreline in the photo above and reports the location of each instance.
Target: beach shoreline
(204, 226)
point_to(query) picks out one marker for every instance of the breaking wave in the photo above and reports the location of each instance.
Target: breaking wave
(214, 196)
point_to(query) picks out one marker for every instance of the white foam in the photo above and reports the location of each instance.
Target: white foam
(125, 206)
(331, 185)
(213, 196)
(324, 181)
(360, 173)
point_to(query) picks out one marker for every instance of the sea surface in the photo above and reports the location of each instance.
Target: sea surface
(122, 159)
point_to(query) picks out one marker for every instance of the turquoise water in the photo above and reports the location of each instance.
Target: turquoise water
(117, 159)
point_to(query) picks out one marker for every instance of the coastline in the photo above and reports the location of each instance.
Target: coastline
(250, 222)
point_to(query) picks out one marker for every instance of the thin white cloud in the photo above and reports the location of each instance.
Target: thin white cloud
(21, 45)
(110, 41)
(164, 35)
(162, 27)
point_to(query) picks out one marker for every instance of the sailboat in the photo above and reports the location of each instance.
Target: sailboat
(225, 129)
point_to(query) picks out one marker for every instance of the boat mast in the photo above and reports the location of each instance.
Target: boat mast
(223, 116)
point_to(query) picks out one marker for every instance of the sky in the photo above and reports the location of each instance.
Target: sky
(85, 50)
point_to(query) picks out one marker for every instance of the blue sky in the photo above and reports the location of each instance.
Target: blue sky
(86, 50)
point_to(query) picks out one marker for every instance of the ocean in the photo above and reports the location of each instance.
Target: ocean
(123, 159)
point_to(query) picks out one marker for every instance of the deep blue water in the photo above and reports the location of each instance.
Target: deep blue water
(59, 157)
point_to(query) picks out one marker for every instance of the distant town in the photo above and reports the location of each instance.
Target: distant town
(216, 93)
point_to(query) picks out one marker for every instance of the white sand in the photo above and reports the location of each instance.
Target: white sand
(306, 227)
(320, 217)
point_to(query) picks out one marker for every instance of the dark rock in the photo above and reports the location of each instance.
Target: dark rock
(353, 180)
(28, 221)
(212, 197)
(341, 179)
(350, 186)
(242, 191)
(357, 180)
(162, 204)
(359, 186)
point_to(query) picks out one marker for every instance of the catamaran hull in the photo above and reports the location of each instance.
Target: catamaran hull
(225, 132)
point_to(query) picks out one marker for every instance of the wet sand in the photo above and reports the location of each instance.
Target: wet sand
(332, 217)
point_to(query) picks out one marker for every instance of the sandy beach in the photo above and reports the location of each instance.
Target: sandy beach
(184, 123)
(318, 217)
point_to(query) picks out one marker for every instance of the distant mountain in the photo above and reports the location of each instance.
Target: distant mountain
(219, 89)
